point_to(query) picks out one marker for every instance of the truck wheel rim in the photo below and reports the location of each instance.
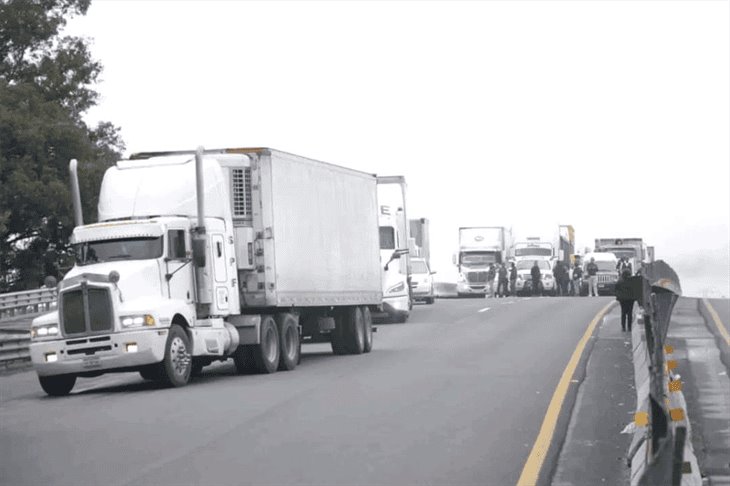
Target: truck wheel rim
(290, 344)
(271, 345)
(179, 356)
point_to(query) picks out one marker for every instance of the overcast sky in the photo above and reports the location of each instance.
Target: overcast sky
(610, 116)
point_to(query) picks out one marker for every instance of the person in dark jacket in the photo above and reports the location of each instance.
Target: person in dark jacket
(592, 271)
(535, 274)
(512, 279)
(577, 276)
(502, 281)
(624, 297)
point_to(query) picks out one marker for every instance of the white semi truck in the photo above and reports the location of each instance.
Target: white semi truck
(394, 249)
(632, 249)
(478, 248)
(205, 255)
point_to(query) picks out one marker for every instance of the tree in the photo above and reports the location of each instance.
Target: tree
(46, 85)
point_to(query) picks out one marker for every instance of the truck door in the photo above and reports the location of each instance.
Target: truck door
(220, 272)
(179, 270)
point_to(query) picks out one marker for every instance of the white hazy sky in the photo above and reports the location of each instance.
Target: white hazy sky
(610, 116)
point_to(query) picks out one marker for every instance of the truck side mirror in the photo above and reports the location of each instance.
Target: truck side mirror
(199, 247)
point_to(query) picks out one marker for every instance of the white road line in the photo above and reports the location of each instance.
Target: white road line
(484, 310)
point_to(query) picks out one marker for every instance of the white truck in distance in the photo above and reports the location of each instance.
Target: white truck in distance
(632, 249)
(201, 256)
(478, 248)
(533, 249)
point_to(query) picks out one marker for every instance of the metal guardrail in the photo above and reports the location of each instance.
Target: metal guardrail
(661, 451)
(14, 304)
(14, 348)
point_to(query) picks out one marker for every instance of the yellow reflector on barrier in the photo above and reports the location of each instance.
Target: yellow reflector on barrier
(676, 414)
(675, 386)
(668, 348)
(671, 364)
(641, 419)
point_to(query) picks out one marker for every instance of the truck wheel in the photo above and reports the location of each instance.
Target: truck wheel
(57, 385)
(244, 360)
(266, 354)
(337, 335)
(289, 346)
(353, 331)
(367, 320)
(176, 366)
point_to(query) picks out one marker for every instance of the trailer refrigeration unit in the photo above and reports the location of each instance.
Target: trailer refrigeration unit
(394, 249)
(201, 256)
(478, 248)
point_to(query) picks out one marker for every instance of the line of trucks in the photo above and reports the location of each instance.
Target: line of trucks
(480, 247)
(242, 253)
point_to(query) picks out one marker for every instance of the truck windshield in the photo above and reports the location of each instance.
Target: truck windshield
(519, 252)
(527, 264)
(623, 252)
(122, 249)
(478, 258)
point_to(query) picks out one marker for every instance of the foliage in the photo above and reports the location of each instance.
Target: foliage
(46, 85)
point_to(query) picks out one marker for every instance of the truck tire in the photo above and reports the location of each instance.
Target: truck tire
(244, 360)
(57, 385)
(289, 346)
(176, 366)
(266, 354)
(337, 339)
(353, 330)
(367, 319)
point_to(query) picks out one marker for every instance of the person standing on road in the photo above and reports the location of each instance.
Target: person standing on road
(491, 274)
(577, 276)
(502, 281)
(557, 269)
(592, 271)
(624, 297)
(535, 274)
(512, 279)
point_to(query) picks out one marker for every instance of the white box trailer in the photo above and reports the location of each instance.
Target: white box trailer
(201, 256)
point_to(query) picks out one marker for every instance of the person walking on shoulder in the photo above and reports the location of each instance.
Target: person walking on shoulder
(625, 299)
(592, 271)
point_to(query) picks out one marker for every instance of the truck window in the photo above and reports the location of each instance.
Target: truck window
(176, 244)
(387, 238)
(121, 249)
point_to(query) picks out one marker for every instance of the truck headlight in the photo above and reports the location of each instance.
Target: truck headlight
(137, 321)
(44, 331)
(399, 287)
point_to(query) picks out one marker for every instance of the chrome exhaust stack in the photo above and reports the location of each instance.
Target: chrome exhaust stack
(75, 192)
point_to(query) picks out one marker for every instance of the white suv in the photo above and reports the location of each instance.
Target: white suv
(421, 281)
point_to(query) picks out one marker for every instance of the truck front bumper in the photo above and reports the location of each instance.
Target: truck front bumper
(394, 306)
(99, 352)
(476, 289)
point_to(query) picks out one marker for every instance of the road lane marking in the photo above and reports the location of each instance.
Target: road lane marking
(485, 309)
(718, 322)
(531, 470)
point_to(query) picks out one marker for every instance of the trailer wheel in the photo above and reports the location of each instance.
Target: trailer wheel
(289, 346)
(367, 320)
(266, 354)
(354, 331)
(337, 334)
(57, 385)
(176, 366)
(244, 360)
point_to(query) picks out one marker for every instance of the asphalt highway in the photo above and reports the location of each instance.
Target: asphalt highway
(457, 395)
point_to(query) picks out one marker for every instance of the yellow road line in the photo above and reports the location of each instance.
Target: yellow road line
(718, 322)
(531, 470)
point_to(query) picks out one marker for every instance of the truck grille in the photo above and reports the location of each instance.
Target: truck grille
(86, 310)
(476, 277)
(606, 278)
